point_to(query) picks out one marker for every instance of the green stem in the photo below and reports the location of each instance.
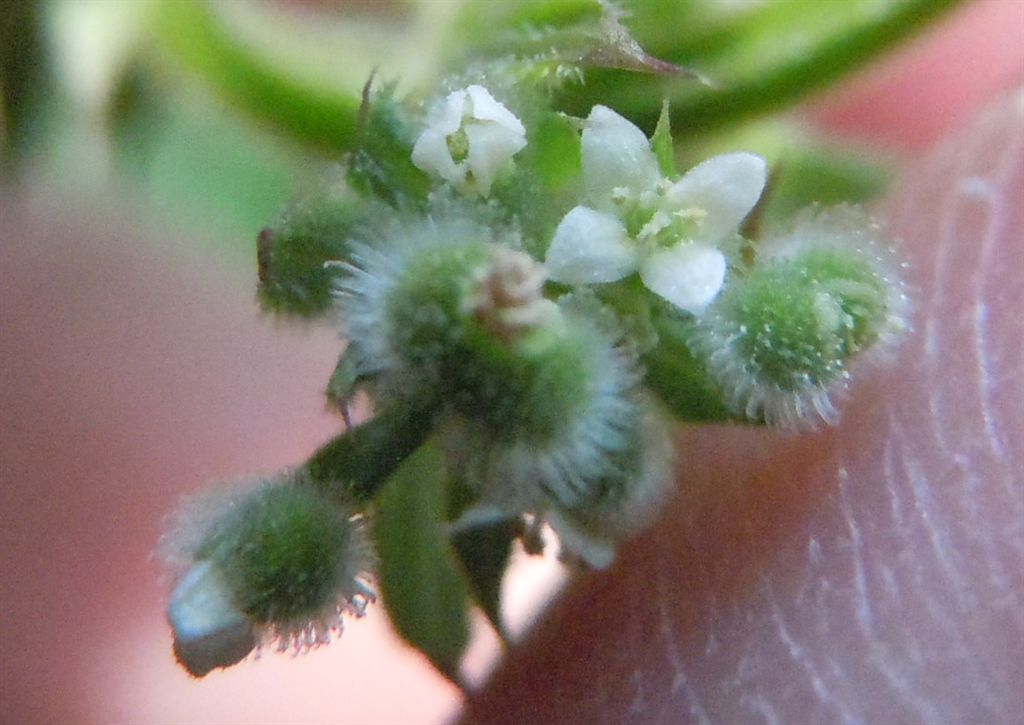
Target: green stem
(753, 84)
(356, 464)
(787, 82)
(680, 380)
(322, 117)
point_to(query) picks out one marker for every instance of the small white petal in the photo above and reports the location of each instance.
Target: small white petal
(726, 187)
(449, 118)
(589, 247)
(431, 154)
(615, 154)
(209, 631)
(485, 108)
(688, 275)
(491, 147)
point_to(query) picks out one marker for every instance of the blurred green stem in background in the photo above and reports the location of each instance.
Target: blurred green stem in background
(318, 116)
(761, 59)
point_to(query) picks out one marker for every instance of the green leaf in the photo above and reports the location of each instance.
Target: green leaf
(493, 29)
(484, 552)
(661, 144)
(421, 585)
(24, 77)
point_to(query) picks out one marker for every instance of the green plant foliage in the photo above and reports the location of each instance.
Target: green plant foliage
(423, 589)
(23, 72)
(512, 325)
(545, 181)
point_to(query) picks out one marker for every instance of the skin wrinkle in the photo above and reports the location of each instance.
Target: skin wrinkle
(675, 660)
(761, 706)
(950, 621)
(865, 617)
(803, 659)
(946, 634)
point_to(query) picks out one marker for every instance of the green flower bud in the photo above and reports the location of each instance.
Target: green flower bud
(622, 502)
(599, 469)
(312, 230)
(402, 298)
(780, 339)
(846, 252)
(541, 409)
(281, 562)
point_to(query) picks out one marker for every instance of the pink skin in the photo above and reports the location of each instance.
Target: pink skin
(872, 572)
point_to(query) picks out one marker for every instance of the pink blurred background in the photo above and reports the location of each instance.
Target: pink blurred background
(132, 372)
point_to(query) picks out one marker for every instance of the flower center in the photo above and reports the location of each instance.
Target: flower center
(508, 298)
(651, 221)
(458, 145)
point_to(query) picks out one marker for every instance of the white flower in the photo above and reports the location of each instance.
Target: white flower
(638, 221)
(469, 140)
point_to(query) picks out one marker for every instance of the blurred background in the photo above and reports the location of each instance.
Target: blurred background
(144, 146)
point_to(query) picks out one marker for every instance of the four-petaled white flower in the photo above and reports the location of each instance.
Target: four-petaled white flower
(469, 140)
(638, 221)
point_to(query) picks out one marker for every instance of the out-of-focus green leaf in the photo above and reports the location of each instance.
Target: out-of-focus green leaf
(222, 177)
(492, 29)
(552, 40)
(544, 185)
(422, 587)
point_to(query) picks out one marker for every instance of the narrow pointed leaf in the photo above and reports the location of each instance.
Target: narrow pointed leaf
(422, 588)
(484, 552)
